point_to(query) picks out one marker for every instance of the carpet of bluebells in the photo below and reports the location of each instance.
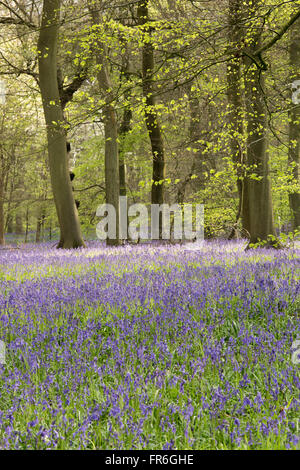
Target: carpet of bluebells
(149, 347)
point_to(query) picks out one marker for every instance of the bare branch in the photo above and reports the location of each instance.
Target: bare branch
(279, 35)
(16, 19)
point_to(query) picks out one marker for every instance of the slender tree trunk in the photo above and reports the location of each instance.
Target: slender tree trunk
(257, 200)
(155, 135)
(39, 225)
(199, 163)
(38, 230)
(112, 182)
(9, 224)
(26, 224)
(235, 102)
(9, 217)
(197, 160)
(123, 132)
(71, 236)
(125, 126)
(19, 224)
(294, 125)
(2, 222)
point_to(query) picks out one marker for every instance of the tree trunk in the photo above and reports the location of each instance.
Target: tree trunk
(2, 222)
(38, 230)
(26, 224)
(257, 200)
(235, 102)
(9, 224)
(294, 125)
(157, 190)
(19, 224)
(71, 236)
(112, 182)
(124, 130)
(40, 225)
(198, 164)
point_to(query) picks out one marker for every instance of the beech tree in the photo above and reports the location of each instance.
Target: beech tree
(257, 198)
(236, 98)
(112, 181)
(294, 122)
(169, 88)
(70, 236)
(151, 116)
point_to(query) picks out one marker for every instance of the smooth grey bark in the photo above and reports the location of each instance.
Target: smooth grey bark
(123, 132)
(294, 125)
(40, 224)
(198, 164)
(71, 236)
(26, 224)
(38, 230)
(112, 182)
(2, 221)
(236, 103)
(257, 202)
(153, 127)
(9, 224)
